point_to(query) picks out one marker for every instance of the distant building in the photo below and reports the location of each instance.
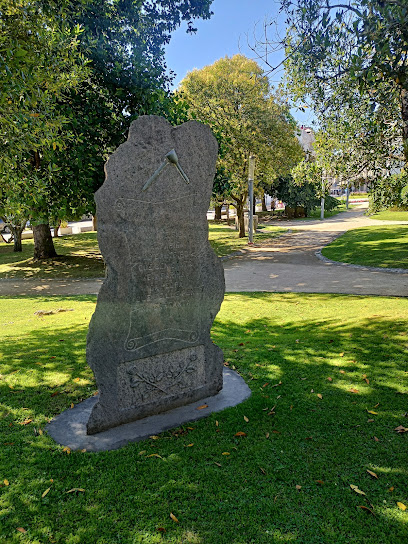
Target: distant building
(306, 138)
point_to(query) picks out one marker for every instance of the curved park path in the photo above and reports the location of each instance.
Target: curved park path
(284, 264)
(289, 263)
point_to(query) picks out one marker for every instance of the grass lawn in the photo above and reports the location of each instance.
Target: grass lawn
(329, 380)
(385, 247)
(224, 240)
(79, 255)
(315, 214)
(389, 215)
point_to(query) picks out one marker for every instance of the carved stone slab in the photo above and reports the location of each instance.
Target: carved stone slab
(149, 339)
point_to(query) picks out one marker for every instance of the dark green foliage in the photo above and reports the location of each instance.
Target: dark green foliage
(294, 195)
(124, 42)
(330, 203)
(389, 192)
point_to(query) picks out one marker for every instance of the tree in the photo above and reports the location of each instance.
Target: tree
(234, 98)
(339, 53)
(122, 45)
(39, 62)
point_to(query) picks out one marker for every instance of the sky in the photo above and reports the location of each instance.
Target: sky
(235, 23)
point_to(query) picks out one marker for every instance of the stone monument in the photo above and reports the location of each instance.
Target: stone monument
(149, 342)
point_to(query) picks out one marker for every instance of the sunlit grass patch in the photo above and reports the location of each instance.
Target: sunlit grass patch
(384, 247)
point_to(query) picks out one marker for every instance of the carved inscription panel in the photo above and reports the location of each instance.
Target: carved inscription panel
(159, 377)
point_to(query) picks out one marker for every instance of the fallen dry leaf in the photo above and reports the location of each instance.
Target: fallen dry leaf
(353, 390)
(246, 419)
(356, 489)
(376, 439)
(78, 489)
(155, 455)
(218, 464)
(202, 407)
(320, 396)
(377, 405)
(262, 470)
(161, 529)
(319, 482)
(267, 435)
(401, 429)
(366, 509)
(373, 474)
(72, 404)
(401, 506)
(6, 482)
(372, 412)
(26, 422)
(391, 489)
(341, 354)
(298, 487)
(189, 445)
(342, 371)
(40, 432)
(21, 530)
(173, 517)
(67, 450)
(225, 453)
(216, 423)
(329, 379)
(46, 492)
(154, 437)
(240, 433)
(367, 381)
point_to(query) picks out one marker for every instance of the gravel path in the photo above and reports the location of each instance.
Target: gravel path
(284, 264)
(290, 264)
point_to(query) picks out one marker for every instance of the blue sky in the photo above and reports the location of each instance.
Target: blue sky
(227, 32)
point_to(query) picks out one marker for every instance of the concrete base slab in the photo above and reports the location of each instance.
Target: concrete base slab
(69, 428)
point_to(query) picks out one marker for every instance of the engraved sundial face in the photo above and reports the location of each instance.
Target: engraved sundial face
(171, 158)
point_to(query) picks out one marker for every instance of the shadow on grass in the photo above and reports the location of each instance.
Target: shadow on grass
(78, 256)
(293, 438)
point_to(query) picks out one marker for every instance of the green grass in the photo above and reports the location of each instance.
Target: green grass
(385, 247)
(224, 240)
(290, 348)
(315, 214)
(390, 215)
(79, 255)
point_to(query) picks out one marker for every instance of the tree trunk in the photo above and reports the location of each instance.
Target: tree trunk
(56, 228)
(264, 208)
(94, 222)
(43, 244)
(217, 216)
(17, 231)
(228, 216)
(240, 214)
(404, 115)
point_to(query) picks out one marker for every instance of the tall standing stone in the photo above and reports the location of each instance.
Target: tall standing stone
(149, 340)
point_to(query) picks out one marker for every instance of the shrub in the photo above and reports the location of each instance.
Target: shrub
(389, 192)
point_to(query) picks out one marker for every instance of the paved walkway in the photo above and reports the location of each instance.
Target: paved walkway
(285, 264)
(289, 263)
